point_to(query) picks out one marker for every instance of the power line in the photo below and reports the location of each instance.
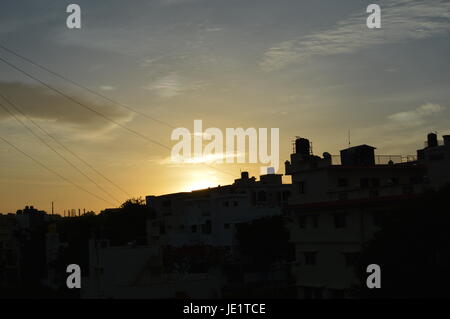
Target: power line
(81, 86)
(52, 171)
(56, 152)
(96, 112)
(82, 104)
(62, 145)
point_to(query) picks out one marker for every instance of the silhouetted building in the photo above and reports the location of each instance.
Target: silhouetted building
(9, 252)
(337, 204)
(209, 216)
(436, 157)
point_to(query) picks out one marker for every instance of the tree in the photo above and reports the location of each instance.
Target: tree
(127, 224)
(412, 249)
(263, 242)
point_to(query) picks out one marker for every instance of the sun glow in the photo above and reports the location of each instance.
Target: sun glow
(200, 184)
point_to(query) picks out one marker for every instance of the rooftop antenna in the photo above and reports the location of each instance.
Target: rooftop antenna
(349, 138)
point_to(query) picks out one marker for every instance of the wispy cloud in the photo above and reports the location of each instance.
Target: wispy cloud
(401, 20)
(174, 2)
(107, 88)
(416, 117)
(172, 85)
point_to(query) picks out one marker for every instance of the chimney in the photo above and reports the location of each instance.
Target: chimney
(244, 175)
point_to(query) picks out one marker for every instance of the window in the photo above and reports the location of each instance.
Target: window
(375, 182)
(206, 228)
(99, 270)
(308, 293)
(315, 221)
(318, 293)
(364, 182)
(415, 179)
(302, 221)
(437, 157)
(286, 195)
(340, 221)
(342, 182)
(194, 228)
(343, 196)
(374, 193)
(226, 204)
(235, 203)
(337, 293)
(408, 190)
(310, 258)
(351, 259)
(394, 181)
(378, 219)
(226, 226)
(162, 229)
(262, 196)
(301, 187)
(206, 213)
(312, 293)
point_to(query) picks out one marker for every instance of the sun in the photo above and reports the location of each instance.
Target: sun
(200, 184)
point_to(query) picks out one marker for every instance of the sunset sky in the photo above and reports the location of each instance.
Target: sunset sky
(310, 68)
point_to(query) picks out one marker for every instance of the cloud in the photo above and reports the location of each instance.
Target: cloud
(175, 2)
(42, 104)
(180, 161)
(401, 20)
(417, 116)
(172, 85)
(107, 88)
(213, 29)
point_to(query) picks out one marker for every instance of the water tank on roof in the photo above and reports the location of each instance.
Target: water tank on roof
(302, 146)
(432, 140)
(446, 140)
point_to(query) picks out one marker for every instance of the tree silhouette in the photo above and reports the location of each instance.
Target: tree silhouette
(412, 249)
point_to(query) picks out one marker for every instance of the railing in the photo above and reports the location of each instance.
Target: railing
(381, 159)
(439, 143)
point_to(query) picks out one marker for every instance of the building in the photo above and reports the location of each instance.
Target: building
(436, 157)
(146, 272)
(338, 203)
(9, 252)
(209, 216)
(189, 240)
(335, 204)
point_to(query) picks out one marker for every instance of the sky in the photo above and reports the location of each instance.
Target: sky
(310, 68)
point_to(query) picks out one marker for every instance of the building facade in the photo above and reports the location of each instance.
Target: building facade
(338, 204)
